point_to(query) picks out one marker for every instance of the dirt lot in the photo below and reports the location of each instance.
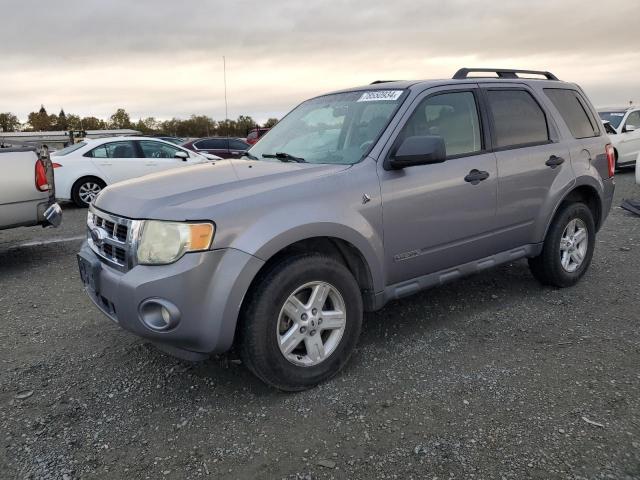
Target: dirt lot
(490, 377)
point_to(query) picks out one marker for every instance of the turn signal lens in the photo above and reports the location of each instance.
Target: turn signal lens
(201, 235)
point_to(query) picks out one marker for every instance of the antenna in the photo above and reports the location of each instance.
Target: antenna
(226, 106)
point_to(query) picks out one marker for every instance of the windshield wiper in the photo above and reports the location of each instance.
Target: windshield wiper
(284, 157)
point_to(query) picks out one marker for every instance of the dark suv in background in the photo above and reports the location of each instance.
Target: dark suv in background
(221, 146)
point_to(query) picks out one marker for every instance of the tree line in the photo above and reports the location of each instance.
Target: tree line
(194, 126)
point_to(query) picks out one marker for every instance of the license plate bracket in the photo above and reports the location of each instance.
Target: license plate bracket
(89, 272)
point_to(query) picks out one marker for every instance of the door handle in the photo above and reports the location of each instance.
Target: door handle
(554, 161)
(235, 153)
(105, 163)
(475, 176)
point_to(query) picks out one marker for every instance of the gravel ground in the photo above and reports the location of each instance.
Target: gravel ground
(492, 377)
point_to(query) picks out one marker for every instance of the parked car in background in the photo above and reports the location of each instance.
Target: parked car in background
(221, 146)
(255, 134)
(85, 168)
(27, 192)
(624, 133)
(352, 200)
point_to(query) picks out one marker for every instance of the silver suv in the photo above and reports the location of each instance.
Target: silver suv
(354, 199)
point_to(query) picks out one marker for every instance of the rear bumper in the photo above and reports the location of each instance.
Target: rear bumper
(206, 289)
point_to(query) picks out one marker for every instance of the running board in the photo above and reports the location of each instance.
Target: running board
(406, 288)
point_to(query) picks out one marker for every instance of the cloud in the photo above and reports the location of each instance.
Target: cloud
(163, 58)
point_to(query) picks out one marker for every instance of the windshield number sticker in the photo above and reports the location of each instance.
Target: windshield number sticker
(377, 95)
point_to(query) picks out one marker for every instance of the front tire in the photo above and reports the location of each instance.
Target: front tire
(85, 190)
(568, 247)
(301, 322)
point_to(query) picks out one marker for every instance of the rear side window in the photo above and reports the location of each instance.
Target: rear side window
(573, 112)
(518, 120)
(238, 145)
(212, 144)
(114, 150)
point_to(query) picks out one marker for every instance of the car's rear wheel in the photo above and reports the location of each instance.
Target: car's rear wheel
(85, 190)
(301, 322)
(568, 247)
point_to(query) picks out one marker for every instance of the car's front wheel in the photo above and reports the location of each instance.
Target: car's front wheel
(301, 322)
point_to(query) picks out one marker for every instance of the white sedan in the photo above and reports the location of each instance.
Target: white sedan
(624, 131)
(85, 168)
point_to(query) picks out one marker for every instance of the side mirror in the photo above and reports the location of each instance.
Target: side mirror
(629, 128)
(421, 150)
(182, 155)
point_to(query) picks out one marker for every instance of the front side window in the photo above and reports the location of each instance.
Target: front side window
(238, 145)
(633, 120)
(572, 112)
(151, 149)
(614, 118)
(339, 128)
(453, 116)
(518, 120)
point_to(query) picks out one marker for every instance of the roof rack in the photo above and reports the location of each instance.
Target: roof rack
(383, 81)
(502, 73)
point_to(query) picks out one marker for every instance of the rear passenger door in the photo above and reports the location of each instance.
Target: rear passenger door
(532, 162)
(118, 161)
(437, 216)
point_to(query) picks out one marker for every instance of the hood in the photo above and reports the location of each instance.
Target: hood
(190, 193)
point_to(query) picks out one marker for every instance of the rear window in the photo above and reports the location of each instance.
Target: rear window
(518, 120)
(573, 112)
(68, 150)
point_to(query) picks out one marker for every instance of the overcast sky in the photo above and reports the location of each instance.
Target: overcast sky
(163, 58)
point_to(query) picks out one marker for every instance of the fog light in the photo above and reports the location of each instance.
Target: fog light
(159, 315)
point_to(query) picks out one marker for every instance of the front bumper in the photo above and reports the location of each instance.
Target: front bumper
(206, 287)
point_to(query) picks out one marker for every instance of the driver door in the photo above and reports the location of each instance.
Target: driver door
(629, 143)
(160, 156)
(435, 216)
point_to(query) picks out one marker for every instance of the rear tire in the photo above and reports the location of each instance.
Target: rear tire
(85, 190)
(290, 337)
(568, 247)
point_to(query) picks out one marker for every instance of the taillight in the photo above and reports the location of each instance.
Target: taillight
(41, 177)
(56, 165)
(611, 159)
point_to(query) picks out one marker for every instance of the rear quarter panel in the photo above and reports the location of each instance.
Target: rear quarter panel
(19, 197)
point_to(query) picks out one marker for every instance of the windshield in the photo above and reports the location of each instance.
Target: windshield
(69, 149)
(614, 118)
(339, 128)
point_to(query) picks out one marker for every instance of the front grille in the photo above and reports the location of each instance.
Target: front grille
(112, 238)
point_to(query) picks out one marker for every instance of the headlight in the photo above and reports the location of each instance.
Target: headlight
(165, 242)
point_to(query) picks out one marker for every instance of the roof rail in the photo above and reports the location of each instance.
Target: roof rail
(383, 81)
(502, 73)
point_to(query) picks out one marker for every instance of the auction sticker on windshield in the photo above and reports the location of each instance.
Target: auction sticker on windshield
(377, 95)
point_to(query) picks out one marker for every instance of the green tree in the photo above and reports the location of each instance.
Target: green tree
(92, 123)
(40, 120)
(270, 123)
(244, 123)
(120, 119)
(9, 122)
(73, 122)
(62, 123)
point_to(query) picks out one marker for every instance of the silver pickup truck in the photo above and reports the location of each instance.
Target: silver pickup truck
(27, 193)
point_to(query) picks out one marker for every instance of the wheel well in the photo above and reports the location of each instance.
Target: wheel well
(339, 249)
(589, 197)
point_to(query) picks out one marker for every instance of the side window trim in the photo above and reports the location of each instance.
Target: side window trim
(492, 127)
(420, 99)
